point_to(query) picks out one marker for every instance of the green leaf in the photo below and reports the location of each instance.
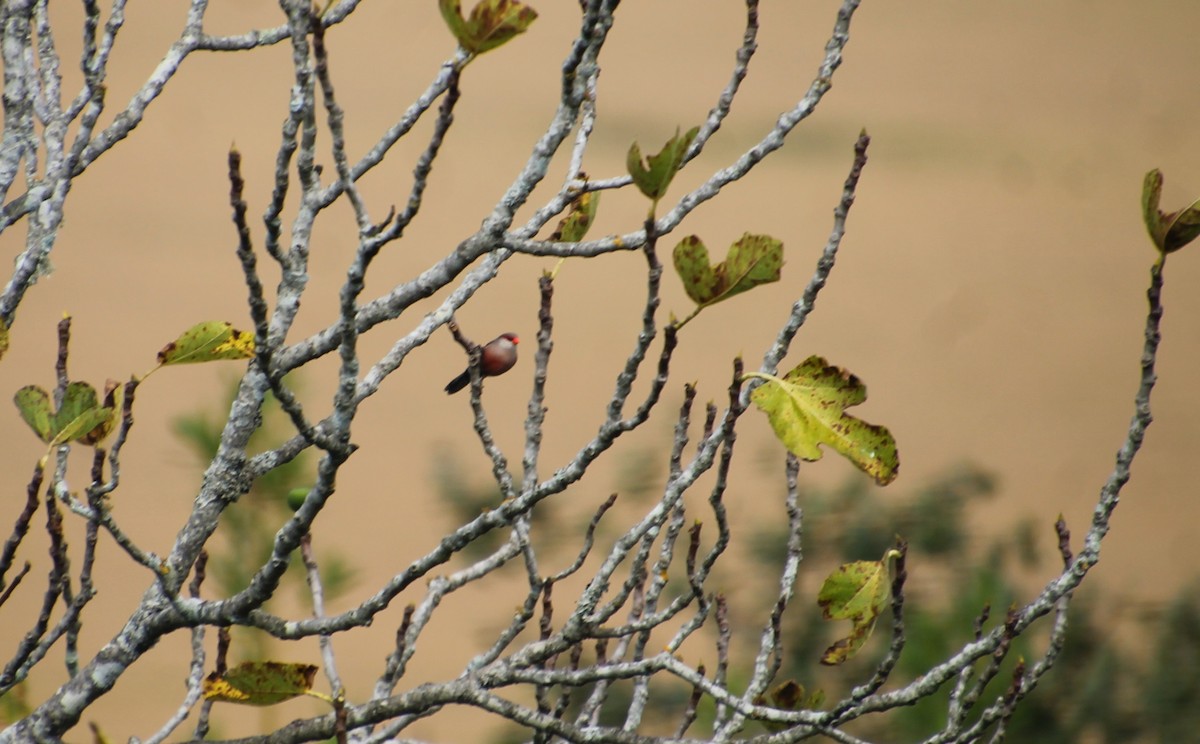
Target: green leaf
(1169, 231)
(857, 592)
(581, 215)
(1151, 193)
(34, 405)
(260, 683)
(3, 338)
(206, 342)
(653, 176)
(491, 24)
(807, 409)
(751, 261)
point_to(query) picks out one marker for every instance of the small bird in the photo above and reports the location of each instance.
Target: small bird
(496, 358)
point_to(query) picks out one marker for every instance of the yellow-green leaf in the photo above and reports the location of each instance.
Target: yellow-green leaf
(260, 683)
(807, 409)
(751, 261)
(573, 227)
(491, 24)
(206, 342)
(3, 338)
(654, 175)
(34, 405)
(857, 592)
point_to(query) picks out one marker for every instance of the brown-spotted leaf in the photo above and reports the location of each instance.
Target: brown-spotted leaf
(206, 342)
(495, 22)
(491, 23)
(35, 408)
(653, 175)
(78, 418)
(260, 683)
(857, 592)
(574, 226)
(807, 408)
(751, 261)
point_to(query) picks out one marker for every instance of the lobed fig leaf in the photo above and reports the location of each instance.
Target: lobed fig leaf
(653, 175)
(207, 342)
(79, 418)
(857, 592)
(751, 261)
(807, 409)
(260, 683)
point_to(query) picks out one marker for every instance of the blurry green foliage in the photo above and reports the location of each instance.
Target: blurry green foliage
(1099, 690)
(1103, 690)
(1170, 697)
(247, 529)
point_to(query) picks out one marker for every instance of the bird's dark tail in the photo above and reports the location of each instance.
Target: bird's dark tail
(458, 383)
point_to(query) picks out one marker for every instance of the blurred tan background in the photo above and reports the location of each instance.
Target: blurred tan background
(990, 290)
